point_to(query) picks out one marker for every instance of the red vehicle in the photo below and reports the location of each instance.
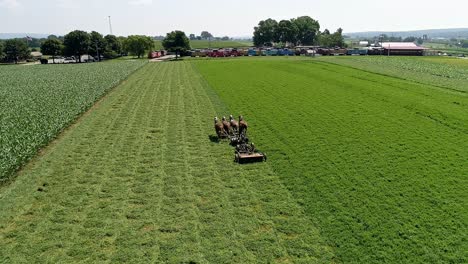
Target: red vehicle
(217, 53)
(155, 54)
(234, 53)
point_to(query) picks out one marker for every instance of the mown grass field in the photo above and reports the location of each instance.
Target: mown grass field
(378, 163)
(138, 180)
(445, 72)
(203, 44)
(362, 168)
(38, 102)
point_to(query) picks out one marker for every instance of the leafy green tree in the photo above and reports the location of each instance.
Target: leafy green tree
(177, 42)
(35, 42)
(332, 40)
(16, 50)
(264, 33)
(307, 30)
(410, 39)
(225, 38)
(206, 35)
(192, 37)
(76, 43)
(52, 46)
(113, 46)
(2, 53)
(285, 32)
(138, 45)
(98, 44)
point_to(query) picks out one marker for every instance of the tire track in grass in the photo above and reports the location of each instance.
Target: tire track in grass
(138, 180)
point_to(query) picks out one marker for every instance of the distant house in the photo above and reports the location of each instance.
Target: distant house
(402, 48)
(36, 55)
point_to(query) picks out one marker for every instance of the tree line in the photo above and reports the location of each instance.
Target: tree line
(302, 30)
(76, 44)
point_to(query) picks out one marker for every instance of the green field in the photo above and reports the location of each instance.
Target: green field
(37, 102)
(203, 44)
(446, 48)
(445, 72)
(363, 167)
(378, 163)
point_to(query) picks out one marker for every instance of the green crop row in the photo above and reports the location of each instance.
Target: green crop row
(38, 102)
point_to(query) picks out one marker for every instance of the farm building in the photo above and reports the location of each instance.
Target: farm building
(402, 48)
(364, 43)
(36, 55)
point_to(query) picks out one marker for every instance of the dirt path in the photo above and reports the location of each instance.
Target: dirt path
(138, 180)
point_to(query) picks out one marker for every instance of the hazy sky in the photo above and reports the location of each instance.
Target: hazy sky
(233, 18)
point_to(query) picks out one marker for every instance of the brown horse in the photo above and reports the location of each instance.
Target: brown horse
(219, 128)
(242, 125)
(226, 126)
(234, 124)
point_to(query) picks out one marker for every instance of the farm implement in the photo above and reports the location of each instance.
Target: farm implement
(236, 133)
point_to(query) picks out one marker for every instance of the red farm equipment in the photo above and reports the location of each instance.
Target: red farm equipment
(155, 54)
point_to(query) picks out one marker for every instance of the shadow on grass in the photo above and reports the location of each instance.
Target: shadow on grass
(213, 139)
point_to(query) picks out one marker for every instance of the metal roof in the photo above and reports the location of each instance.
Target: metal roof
(401, 46)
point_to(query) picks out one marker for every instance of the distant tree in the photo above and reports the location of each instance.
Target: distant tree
(206, 35)
(199, 38)
(76, 43)
(34, 42)
(52, 47)
(264, 33)
(409, 39)
(464, 44)
(2, 52)
(52, 37)
(16, 50)
(419, 41)
(225, 38)
(98, 44)
(192, 37)
(113, 46)
(177, 42)
(332, 40)
(138, 45)
(122, 41)
(307, 30)
(286, 32)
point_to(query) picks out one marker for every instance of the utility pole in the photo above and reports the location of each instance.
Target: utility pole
(110, 25)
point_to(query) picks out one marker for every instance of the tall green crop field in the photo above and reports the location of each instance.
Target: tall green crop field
(378, 163)
(37, 102)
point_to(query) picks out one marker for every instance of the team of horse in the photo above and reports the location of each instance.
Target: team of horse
(225, 128)
(236, 132)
